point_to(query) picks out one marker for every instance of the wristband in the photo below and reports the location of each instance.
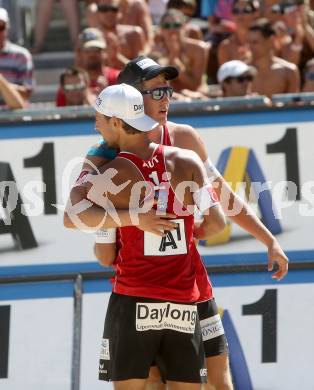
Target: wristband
(105, 236)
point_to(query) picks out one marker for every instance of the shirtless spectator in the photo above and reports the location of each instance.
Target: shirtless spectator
(236, 46)
(136, 13)
(157, 8)
(298, 37)
(128, 41)
(188, 55)
(188, 8)
(308, 85)
(16, 68)
(274, 75)
(74, 85)
(235, 78)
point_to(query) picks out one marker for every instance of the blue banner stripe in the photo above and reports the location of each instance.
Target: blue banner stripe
(62, 128)
(63, 289)
(38, 290)
(92, 266)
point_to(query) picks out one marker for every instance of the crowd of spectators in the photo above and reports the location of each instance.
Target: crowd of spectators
(247, 47)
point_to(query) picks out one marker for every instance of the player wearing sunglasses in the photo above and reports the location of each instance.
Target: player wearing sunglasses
(146, 75)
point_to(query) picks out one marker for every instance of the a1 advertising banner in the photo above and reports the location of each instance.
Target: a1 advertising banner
(36, 332)
(273, 161)
(266, 156)
(269, 329)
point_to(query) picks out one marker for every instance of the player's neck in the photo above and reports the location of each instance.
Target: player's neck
(138, 144)
(155, 135)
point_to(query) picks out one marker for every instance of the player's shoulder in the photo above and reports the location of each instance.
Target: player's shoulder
(183, 136)
(180, 155)
(179, 128)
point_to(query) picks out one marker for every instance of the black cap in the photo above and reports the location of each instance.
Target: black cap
(144, 68)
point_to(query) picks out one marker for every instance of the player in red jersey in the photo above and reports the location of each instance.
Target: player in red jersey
(152, 315)
(153, 81)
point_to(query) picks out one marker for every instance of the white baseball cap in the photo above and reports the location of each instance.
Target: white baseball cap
(124, 102)
(233, 68)
(4, 16)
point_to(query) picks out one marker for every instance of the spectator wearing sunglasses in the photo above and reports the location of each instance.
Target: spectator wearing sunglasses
(235, 78)
(274, 75)
(127, 41)
(74, 86)
(308, 85)
(236, 47)
(16, 68)
(190, 56)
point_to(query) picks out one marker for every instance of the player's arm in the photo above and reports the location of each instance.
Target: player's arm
(89, 214)
(105, 248)
(81, 213)
(205, 200)
(229, 200)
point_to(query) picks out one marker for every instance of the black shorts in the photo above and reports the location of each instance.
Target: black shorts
(141, 331)
(214, 339)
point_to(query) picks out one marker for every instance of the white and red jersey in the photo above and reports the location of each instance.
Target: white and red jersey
(203, 281)
(151, 266)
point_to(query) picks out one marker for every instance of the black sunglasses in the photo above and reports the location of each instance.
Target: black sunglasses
(169, 25)
(107, 8)
(159, 93)
(241, 79)
(3, 27)
(246, 10)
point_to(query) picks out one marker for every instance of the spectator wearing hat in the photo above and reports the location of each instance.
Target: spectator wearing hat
(235, 78)
(16, 68)
(74, 85)
(92, 55)
(274, 74)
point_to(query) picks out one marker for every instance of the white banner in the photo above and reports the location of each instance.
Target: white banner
(281, 154)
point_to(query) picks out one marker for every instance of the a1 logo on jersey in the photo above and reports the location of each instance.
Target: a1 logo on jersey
(173, 243)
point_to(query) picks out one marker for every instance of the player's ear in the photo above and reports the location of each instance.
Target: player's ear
(116, 121)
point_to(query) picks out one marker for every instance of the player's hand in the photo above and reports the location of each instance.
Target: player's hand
(157, 224)
(277, 255)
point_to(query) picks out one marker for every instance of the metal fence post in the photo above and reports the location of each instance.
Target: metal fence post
(77, 333)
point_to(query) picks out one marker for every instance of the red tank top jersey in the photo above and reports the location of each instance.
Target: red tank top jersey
(202, 278)
(152, 266)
